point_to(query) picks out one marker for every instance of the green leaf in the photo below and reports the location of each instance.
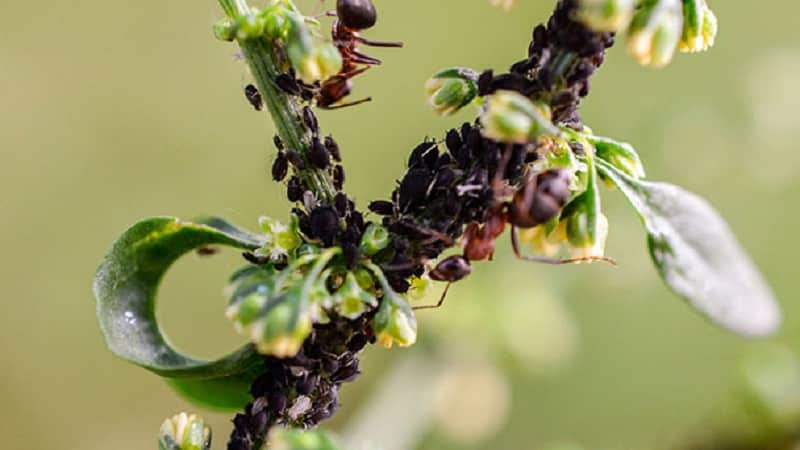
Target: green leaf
(698, 256)
(125, 287)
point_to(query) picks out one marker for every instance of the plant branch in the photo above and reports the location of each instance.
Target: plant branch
(284, 110)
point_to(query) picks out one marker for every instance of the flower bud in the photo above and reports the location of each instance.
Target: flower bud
(224, 30)
(699, 27)
(512, 118)
(184, 432)
(351, 300)
(619, 154)
(314, 60)
(655, 31)
(283, 329)
(452, 89)
(374, 239)
(250, 26)
(280, 239)
(606, 15)
(395, 322)
(276, 25)
(587, 228)
(544, 239)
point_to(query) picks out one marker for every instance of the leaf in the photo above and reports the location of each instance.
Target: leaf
(125, 287)
(698, 256)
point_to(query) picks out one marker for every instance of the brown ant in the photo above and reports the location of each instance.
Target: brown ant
(353, 16)
(539, 201)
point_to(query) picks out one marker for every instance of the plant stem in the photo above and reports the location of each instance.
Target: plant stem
(286, 113)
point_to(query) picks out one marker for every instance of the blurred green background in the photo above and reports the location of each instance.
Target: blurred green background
(113, 111)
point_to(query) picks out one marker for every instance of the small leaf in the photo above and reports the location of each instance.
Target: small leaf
(698, 256)
(125, 288)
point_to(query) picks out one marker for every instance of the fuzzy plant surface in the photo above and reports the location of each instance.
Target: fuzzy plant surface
(329, 279)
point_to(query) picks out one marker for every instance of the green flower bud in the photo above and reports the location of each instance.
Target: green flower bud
(283, 329)
(364, 279)
(655, 32)
(699, 27)
(513, 118)
(276, 26)
(374, 239)
(280, 240)
(587, 228)
(184, 432)
(619, 154)
(606, 15)
(395, 322)
(225, 30)
(543, 240)
(452, 89)
(250, 26)
(351, 300)
(329, 60)
(314, 60)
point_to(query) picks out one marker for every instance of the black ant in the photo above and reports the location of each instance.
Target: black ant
(536, 203)
(352, 17)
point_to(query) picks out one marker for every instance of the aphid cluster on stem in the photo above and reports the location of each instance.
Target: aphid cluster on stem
(562, 56)
(302, 391)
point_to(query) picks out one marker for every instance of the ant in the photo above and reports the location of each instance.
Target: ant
(537, 202)
(353, 16)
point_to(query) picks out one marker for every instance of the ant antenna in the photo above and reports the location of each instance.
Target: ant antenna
(553, 261)
(345, 105)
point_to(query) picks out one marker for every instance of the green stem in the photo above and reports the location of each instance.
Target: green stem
(285, 111)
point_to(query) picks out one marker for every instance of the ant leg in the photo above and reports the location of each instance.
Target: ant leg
(345, 105)
(361, 58)
(438, 304)
(378, 43)
(500, 172)
(553, 261)
(355, 72)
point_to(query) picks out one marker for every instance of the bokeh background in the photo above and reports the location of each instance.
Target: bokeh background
(113, 111)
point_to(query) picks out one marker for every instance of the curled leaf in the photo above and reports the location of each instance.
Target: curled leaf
(125, 287)
(698, 256)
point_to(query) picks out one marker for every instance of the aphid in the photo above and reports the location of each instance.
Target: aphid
(318, 154)
(324, 224)
(294, 189)
(382, 207)
(310, 119)
(278, 142)
(353, 16)
(254, 97)
(296, 159)
(338, 177)
(280, 167)
(258, 260)
(207, 251)
(333, 148)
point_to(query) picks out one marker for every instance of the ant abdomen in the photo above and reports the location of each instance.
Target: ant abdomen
(540, 200)
(356, 14)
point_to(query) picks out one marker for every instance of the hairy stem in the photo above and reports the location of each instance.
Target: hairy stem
(286, 113)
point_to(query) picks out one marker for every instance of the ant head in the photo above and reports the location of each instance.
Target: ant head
(356, 14)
